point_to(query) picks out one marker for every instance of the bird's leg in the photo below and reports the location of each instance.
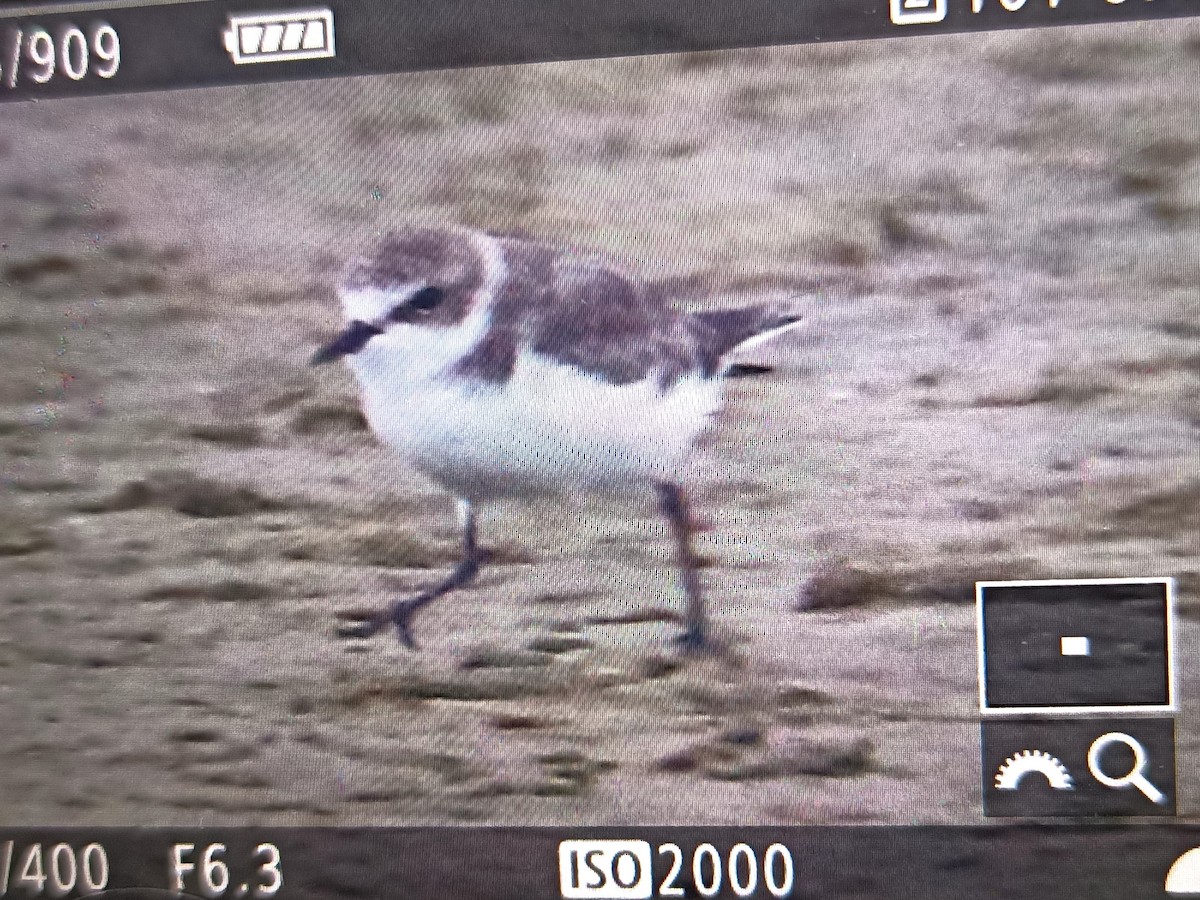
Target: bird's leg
(402, 612)
(674, 506)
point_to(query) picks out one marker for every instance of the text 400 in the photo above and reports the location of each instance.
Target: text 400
(709, 870)
(54, 872)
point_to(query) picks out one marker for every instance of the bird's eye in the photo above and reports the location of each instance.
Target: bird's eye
(426, 299)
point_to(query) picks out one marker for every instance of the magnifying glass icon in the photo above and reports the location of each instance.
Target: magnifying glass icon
(1135, 777)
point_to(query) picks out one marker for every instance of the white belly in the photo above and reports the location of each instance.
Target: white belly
(550, 427)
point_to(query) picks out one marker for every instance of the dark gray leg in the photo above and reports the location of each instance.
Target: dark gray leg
(674, 506)
(402, 612)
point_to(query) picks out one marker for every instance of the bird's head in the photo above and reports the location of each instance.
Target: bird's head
(416, 278)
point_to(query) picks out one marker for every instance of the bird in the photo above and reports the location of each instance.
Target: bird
(504, 366)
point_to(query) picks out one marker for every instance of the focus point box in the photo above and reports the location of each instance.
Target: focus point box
(1070, 646)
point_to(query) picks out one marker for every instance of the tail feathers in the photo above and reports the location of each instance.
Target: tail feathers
(724, 331)
(771, 328)
(747, 370)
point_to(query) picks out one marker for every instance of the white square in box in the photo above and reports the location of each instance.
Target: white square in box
(1076, 646)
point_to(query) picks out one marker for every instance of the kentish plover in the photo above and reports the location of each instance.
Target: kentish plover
(502, 366)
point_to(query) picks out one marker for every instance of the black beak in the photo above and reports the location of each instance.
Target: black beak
(353, 339)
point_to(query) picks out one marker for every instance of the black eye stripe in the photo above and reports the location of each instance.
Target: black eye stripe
(414, 307)
(426, 298)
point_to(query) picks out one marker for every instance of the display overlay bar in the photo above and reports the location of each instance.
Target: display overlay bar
(66, 50)
(1012, 862)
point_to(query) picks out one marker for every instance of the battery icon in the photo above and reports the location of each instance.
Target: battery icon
(280, 36)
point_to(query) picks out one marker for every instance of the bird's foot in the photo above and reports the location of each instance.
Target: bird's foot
(693, 641)
(400, 615)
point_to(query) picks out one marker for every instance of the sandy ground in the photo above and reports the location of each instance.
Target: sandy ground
(998, 242)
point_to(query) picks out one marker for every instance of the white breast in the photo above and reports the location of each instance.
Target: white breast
(549, 427)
